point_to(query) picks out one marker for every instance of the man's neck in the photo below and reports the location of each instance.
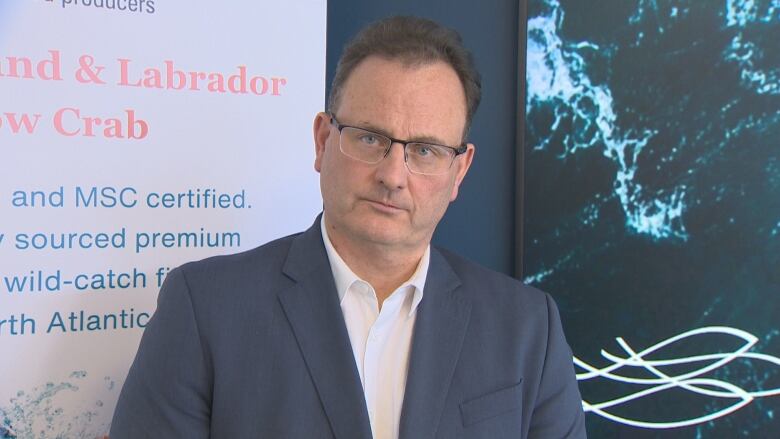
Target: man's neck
(385, 267)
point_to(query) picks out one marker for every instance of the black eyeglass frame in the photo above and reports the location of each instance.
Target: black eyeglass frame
(339, 126)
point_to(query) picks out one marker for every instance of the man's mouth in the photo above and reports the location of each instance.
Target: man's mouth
(385, 205)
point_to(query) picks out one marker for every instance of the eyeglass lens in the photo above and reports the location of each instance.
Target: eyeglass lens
(370, 147)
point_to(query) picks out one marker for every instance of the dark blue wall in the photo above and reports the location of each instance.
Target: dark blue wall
(481, 223)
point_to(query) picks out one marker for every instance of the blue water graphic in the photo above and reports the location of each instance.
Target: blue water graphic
(583, 117)
(37, 413)
(652, 187)
(760, 70)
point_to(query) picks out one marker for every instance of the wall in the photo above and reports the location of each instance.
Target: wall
(480, 224)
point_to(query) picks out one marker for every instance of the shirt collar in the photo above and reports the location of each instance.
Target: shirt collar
(345, 277)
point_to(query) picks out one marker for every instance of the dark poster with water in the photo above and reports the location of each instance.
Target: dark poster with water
(652, 208)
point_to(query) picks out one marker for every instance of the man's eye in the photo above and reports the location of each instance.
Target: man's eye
(369, 139)
(427, 151)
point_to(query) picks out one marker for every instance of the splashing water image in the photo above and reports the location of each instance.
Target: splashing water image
(652, 199)
(583, 117)
(39, 413)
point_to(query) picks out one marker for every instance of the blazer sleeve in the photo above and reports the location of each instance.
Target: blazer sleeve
(558, 409)
(167, 390)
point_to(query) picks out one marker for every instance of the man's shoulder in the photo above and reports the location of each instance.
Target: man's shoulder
(483, 284)
(258, 262)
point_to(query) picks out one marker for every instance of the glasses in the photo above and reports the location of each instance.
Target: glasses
(370, 147)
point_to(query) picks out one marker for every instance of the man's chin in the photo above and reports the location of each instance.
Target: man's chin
(384, 235)
(374, 228)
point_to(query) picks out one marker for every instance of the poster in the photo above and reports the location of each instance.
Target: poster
(652, 208)
(136, 135)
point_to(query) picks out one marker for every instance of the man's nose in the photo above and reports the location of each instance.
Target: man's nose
(392, 170)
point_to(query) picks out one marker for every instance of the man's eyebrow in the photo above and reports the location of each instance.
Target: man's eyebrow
(421, 138)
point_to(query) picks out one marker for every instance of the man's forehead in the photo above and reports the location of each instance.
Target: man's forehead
(381, 90)
(415, 134)
(375, 70)
(405, 64)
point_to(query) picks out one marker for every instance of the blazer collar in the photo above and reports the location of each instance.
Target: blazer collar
(312, 307)
(442, 319)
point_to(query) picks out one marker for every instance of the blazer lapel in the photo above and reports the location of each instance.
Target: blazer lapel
(442, 319)
(312, 308)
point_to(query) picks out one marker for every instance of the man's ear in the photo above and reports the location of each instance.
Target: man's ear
(321, 132)
(463, 163)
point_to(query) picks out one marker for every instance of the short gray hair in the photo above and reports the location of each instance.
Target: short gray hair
(414, 41)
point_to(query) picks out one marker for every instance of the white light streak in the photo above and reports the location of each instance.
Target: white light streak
(693, 381)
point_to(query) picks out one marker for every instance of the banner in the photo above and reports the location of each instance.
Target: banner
(652, 213)
(136, 135)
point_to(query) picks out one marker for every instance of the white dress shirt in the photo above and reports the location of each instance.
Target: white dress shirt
(381, 340)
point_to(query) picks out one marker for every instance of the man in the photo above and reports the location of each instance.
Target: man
(357, 327)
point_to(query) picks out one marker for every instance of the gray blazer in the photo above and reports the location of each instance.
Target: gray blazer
(254, 345)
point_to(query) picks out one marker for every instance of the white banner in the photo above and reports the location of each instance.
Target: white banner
(136, 135)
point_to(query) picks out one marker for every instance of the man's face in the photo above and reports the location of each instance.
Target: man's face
(385, 204)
